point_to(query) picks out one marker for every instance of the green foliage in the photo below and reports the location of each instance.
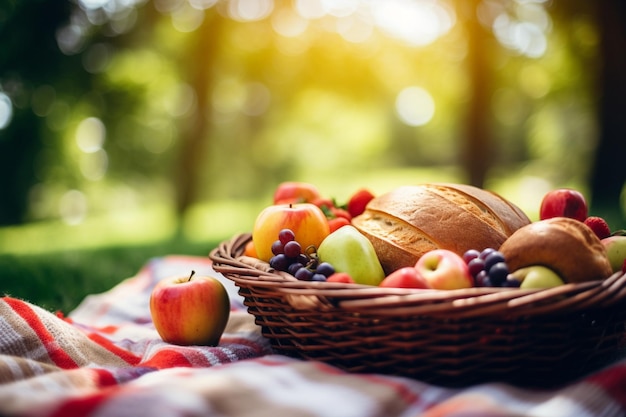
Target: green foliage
(60, 280)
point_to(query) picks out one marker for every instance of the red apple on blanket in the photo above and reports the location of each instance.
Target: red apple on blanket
(190, 310)
(443, 269)
(306, 220)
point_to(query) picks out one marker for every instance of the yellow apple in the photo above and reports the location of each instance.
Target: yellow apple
(306, 220)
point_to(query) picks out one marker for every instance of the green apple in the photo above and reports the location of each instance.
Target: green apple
(537, 276)
(615, 251)
(348, 250)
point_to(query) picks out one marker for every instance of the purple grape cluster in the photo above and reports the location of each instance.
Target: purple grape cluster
(489, 268)
(290, 257)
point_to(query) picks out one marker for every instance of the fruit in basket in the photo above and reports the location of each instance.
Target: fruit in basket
(342, 277)
(565, 245)
(563, 202)
(616, 251)
(409, 221)
(190, 310)
(347, 250)
(358, 201)
(537, 276)
(306, 220)
(406, 277)
(599, 226)
(443, 269)
(290, 257)
(291, 192)
(489, 268)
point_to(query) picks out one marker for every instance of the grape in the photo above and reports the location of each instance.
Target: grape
(279, 262)
(475, 266)
(325, 269)
(493, 258)
(294, 267)
(511, 282)
(286, 235)
(277, 247)
(292, 249)
(303, 259)
(318, 277)
(498, 273)
(485, 252)
(470, 254)
(304, 274)
(482, 279)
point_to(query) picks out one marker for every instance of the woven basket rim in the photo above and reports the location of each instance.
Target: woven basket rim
(256, 275)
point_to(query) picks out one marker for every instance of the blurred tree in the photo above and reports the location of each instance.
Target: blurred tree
(30, 63)
(608, 177)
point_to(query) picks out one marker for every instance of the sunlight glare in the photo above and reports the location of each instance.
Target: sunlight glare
(415, 106)
(289, 24)
(249, 10)
(73, 207)
(417, 22)
(90, 135)
(310, 9)
(6, 110)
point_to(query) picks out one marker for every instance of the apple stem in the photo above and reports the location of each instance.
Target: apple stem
(191, 275)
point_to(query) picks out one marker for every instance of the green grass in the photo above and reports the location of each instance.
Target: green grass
(60, 280)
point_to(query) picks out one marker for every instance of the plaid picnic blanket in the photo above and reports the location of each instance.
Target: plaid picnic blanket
(106, 359)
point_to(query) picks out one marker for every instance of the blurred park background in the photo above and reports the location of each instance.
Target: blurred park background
(135, 128)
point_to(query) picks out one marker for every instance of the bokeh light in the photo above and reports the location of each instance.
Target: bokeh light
(6, 110)
(415, 106)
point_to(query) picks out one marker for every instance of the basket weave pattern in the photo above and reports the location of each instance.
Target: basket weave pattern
(451, 338)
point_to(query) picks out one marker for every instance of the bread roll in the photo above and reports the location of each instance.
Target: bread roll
(567, 246)
(409, 221)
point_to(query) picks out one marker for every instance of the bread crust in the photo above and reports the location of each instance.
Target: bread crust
(409, 221)
(567, 246)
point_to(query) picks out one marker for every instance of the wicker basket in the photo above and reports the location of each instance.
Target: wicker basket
(451, 338)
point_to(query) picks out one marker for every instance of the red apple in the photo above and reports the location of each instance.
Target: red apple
(190, 310)
(306, 220)
(406, 277)
(563, 202)
(295, 192)
(443, 269)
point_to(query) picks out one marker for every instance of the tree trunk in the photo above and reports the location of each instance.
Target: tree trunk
(609, 176)
(195, 134)
(476, 140)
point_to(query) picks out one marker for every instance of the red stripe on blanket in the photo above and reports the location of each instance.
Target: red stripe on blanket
(167, 358)
(123, 354)
(611, 381)
(104, 378)
(56, 354)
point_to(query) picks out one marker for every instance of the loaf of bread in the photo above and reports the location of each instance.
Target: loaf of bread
(409, 221)
(567, 246)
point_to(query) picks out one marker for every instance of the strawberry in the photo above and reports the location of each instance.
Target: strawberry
(340, 277)
(599, 226)
(337, 222)
(358, 201)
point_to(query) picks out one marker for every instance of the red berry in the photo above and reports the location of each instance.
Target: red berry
(358, 201)
(599, 226)
(340, 277)
(337, 222)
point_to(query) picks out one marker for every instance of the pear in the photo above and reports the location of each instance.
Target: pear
(615, 251)
(349, 251)
(537, 276)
